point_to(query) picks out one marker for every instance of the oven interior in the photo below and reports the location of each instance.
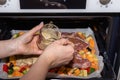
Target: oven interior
(99, 25)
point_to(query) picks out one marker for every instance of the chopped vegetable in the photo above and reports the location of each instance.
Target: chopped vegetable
(10, 71)
(22, 69)
(25, 71)
(61, 70)
(17, 74)
(84, 56)
(70, 72)
(88, 38)
(16, 68)
(91, 43)
(81, 52)
(95, 66)
(83, 73)
(76, 72)
(21, 33)
(93, 51)
(5, 68)
(81, 35)
(16, 35)
(90, 57)
(91, 70)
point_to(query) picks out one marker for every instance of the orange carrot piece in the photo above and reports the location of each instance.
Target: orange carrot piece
(92, 43)
(21, 33)
(17, 74)
(77, 72)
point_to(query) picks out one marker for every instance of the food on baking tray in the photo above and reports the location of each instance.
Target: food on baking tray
(85, 59)
(19, 65)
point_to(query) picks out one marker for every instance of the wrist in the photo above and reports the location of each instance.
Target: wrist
(47, 60)
(7, 48)
(13, 47)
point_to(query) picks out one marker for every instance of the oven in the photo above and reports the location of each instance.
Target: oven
(102, 16)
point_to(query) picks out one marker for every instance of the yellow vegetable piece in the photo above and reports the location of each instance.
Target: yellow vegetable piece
(88, 38)
(85, 73)
(16, 68)
(15, 35)
(81, 35)
(81, 73)
(81, 52)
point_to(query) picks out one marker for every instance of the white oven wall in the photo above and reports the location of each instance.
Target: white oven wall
(13, 6)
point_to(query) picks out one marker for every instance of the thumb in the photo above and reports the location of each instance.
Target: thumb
(35, 29)
(28, 36)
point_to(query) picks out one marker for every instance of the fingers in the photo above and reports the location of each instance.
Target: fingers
(70, 43)
(27, 37)
(65, 42)
(62, 41)
(35, 29)
(37, 50)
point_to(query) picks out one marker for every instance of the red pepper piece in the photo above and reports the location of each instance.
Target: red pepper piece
(22, 69)
(90, 70)
(5, 68)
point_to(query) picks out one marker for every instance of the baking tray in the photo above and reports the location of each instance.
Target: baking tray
(83, 30)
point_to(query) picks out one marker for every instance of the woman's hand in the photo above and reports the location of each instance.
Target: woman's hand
(27, 43)
(59, 53)
(56, 54)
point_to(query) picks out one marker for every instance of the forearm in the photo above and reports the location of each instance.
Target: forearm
(39, 70)
(7, 48)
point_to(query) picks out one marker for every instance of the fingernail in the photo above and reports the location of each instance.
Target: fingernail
(41, 23)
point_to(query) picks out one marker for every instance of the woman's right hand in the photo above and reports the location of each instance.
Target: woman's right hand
(59, 53)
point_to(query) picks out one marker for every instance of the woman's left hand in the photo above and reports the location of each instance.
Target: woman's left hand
(27, 43)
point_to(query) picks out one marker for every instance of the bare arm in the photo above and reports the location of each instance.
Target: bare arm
(25, 44)
(53, 56)
(39, 70)
(7, 48)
